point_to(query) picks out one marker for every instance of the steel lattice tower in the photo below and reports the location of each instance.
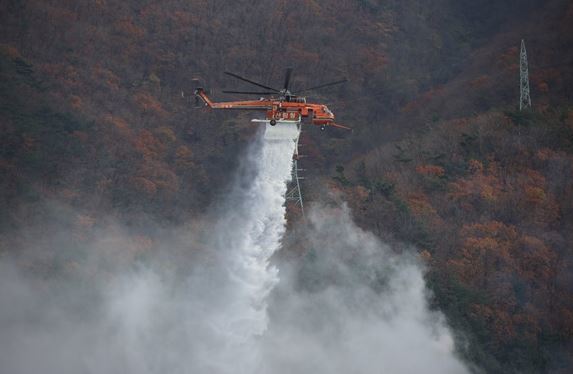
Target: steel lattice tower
(294, 193)
(525, 98)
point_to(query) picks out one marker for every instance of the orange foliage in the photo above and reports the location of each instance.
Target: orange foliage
(166, 135)
(119, 124)
(426, 256)
(66, 74)
(423, 99)
(487, 248)
(431, 170)
(410, 106)
(545, 154)
(509, 60)
(479, 82)
(10, 51)
(546, 214)
(481, 186)
(106, 76)
(76, 102)
(543, 87)
(148, 145)
(537, 205)
(500, 321)
(184, 19)
(144, 185)
(534, 177)
(149, 104)
(475, 167)
(361, 193)
(534, 195)
(544, 76)
(28, 143)
(536, 260)
(127, 27)
(374, 59)
(160, 176)
(303, 54)
(492, 228)
(420, 205)
(184, 157)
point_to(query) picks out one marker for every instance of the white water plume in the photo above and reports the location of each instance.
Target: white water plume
(246, 237)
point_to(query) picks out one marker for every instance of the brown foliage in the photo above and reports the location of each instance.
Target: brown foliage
(420, 205)
(487, 248)
(129, 28)
(430, 170)
(149, 104)
(144, 185)
(148, 145)
(479, 82)
(184, 157)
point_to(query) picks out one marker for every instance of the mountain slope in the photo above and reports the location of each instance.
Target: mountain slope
(92, 118)
(486, 193)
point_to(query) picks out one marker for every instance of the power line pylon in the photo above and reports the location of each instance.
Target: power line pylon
(294, 193)
(525, 98)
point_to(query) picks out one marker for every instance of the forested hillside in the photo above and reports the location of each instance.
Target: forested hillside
(485, 191)
(92, 119)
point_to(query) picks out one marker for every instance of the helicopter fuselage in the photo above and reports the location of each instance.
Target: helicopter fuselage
(291, 109)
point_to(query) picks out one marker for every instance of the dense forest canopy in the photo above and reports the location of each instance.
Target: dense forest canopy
(92, 119)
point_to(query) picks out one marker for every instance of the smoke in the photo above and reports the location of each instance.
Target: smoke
(354, 306)
(208, 300)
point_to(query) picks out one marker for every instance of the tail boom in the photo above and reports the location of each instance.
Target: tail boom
(200, 93)
(243, 105)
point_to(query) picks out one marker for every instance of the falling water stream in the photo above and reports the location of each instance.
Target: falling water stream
(249, 234)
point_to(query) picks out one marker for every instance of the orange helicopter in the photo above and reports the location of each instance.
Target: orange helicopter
(280, 105)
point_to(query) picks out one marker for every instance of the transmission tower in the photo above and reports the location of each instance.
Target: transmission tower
(294, 193)
(524, 99)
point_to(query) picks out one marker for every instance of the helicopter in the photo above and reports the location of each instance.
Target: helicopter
(280, 105)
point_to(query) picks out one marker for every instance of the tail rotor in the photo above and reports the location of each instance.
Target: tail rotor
(197, 86)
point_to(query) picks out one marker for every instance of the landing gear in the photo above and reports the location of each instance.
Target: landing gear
(273, 122)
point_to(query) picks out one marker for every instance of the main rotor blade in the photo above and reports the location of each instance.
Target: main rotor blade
(321, 86)
(250, 81)
(250, 93)
(287, 78)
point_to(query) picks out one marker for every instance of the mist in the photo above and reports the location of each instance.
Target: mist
(353, 305)
(207, 297)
